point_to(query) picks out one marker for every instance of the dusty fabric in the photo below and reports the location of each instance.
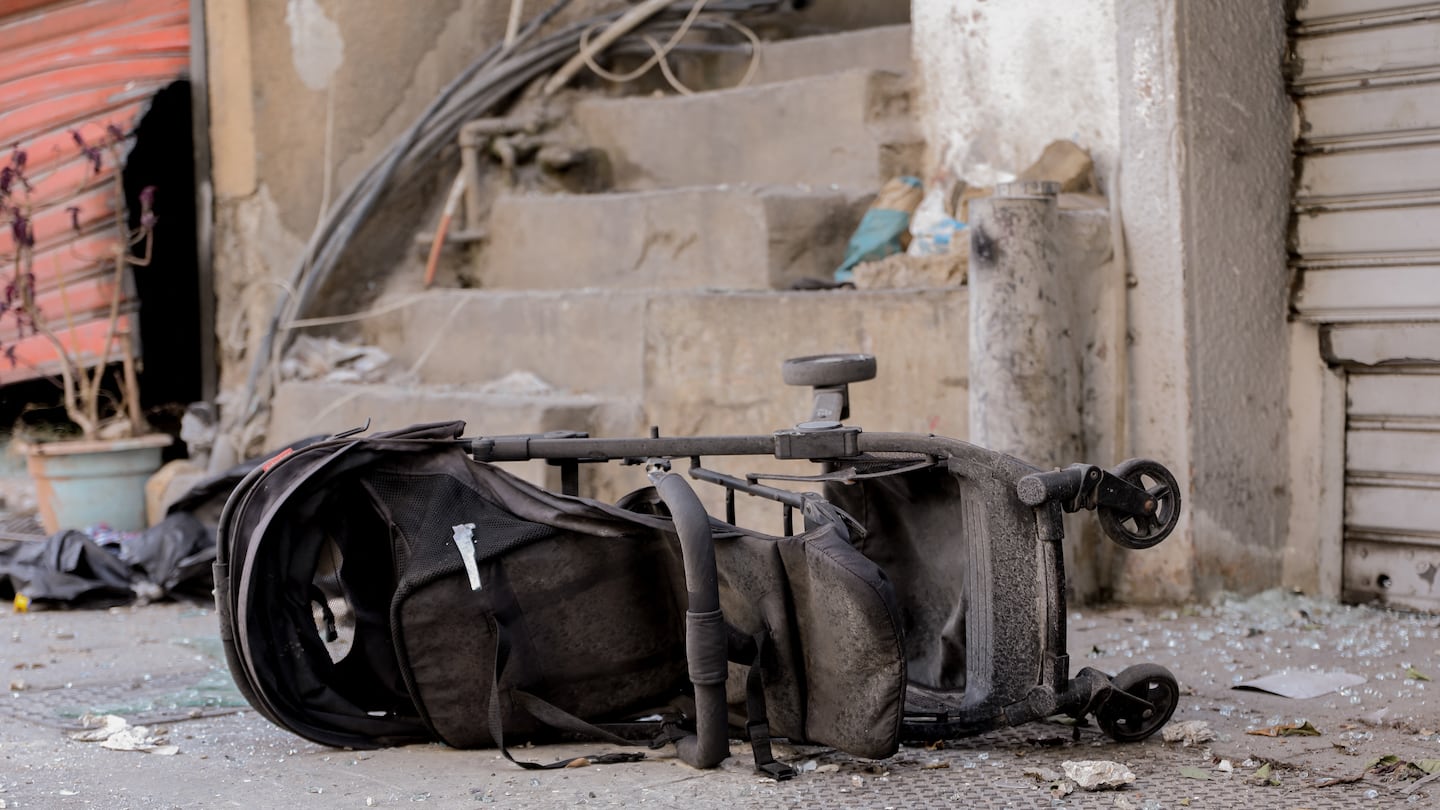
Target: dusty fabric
(354, 618)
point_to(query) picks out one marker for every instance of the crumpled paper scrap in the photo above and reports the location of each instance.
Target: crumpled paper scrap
(1098, 774)
(115, 733)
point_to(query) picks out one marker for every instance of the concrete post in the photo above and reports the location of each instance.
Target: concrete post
(1025, 361)
(1024, 364)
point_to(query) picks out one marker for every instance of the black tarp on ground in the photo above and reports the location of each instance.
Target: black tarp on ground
(71, 568)
(170, 559)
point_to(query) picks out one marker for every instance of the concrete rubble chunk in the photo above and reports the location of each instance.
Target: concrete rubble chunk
(903, 271)
(1189, 732)
(1066, 163)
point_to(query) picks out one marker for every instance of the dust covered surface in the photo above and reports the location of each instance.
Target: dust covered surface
(161, 665)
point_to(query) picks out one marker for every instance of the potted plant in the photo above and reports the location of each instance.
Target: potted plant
(97, 475)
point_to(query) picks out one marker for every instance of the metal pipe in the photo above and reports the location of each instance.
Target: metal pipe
(524, 448)
(705, 633)
(791, 499)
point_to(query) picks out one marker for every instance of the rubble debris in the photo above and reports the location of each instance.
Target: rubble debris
(1188, 733)
(903, 271)
(518, 383)
(331, 360)
(1263, 776)
(1098, 774)
(1377, 717)
(1042, 774)
(1055, 782)
(114, 732)
(1397, 768)
(1063, 162)
(1304, 729)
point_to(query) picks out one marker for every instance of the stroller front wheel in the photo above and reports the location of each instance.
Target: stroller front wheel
(1144, 530)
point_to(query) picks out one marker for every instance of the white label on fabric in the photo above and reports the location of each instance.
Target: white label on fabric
(464, 540)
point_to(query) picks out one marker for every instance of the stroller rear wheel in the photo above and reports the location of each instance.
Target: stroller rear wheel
(1125, 721)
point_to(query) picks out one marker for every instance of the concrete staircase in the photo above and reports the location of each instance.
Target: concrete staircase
(666, 301)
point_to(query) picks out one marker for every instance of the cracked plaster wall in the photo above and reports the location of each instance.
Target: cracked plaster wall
(1183, 105)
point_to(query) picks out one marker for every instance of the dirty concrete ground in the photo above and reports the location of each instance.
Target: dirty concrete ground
(162, 665)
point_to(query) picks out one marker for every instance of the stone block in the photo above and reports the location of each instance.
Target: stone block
(721, 237)
(714, 360)
(714, 368)
(583, 341)
(851, 129)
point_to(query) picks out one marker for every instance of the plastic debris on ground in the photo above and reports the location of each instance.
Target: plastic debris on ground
(933, 230)
(1302, 684)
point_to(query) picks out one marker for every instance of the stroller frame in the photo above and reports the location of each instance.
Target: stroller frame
(1014, 579)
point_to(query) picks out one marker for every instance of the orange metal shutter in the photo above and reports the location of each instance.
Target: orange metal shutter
(65, 67)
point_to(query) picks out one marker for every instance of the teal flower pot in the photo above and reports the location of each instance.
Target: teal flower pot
(83, 483)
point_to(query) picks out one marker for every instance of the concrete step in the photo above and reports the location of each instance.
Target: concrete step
(852, 129)
(883, 48)
(697, 361)
(720, 237)
(302, 409)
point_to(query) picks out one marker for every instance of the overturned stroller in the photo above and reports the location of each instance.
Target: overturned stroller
(402, 587)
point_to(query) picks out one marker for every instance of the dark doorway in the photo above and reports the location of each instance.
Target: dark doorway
(169, 287)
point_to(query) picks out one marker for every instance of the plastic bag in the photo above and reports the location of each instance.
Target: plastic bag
(932, 230)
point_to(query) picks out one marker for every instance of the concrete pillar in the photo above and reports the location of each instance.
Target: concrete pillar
(1024, 366)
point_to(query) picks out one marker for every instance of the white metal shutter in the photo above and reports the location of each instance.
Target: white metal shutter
(1366, 80)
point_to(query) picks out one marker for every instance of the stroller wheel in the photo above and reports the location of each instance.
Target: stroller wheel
(1124, 721)
(1143, 531)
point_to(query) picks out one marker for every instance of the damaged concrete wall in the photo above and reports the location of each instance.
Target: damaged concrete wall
(304, 95)
(1183, 105)
(1237, 199)
(1002, 80)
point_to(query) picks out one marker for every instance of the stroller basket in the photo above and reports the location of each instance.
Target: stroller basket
(403, 587)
